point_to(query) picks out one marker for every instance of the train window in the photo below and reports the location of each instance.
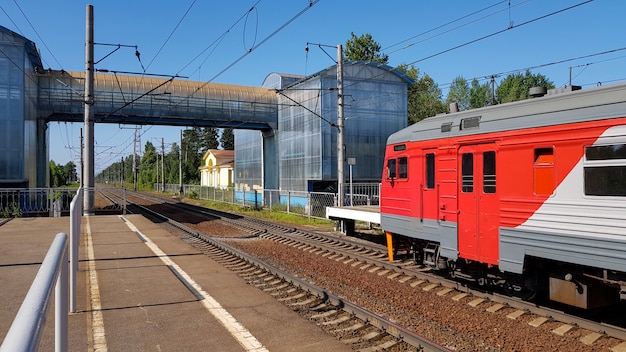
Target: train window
(489, 172)
(399, 148)
(606, 152)
(430, 170)
(467, 173)
(403, 168)
(391, 168)
(605, 170)
(543, 171)
(470, 122)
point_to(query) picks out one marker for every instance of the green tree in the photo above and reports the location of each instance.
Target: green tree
(171, 165)
(363, 47)
(227, 139)
(480, 95)
(424, 95)
(147, 168)
(515, 87)
(208, 139)
(196, 142)
(62, 175)
(55, 174)
(459, 93)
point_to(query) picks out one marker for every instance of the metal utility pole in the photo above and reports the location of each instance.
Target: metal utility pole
(157, 171)
(162, 165)
(135, 161)
(340, 149)
(136, 149)
(180, 164)
(82, 161)
(88, 172)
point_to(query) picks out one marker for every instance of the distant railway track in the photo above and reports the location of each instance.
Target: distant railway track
(370, 259)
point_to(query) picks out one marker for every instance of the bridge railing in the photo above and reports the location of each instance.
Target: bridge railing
(25, 332)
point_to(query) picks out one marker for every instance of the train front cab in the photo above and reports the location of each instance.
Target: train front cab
(456, 211)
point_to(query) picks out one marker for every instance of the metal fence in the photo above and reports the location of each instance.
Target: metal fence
(18, 202)
(310, 204)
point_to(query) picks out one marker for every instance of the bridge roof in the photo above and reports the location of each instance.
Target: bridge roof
(29, 46)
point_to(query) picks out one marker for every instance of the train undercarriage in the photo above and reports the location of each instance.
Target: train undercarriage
(572, 285)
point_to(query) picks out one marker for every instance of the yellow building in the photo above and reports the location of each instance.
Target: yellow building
(217, 168)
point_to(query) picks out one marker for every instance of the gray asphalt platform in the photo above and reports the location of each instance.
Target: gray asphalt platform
(140, 288)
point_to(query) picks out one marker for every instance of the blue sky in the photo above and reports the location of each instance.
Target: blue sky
(441, 38)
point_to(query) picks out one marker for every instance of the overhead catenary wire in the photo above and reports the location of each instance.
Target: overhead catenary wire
(38, 36)
(280, 28)
(443, 26)
(510, 27)
(171, 34)
(218, 40)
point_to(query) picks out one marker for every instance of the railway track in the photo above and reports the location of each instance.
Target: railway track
(363, 330)
(372, 259)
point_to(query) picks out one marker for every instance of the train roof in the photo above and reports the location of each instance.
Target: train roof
(553, 109)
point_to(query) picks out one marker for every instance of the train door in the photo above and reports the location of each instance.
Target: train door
(429, 198)
(478, 204)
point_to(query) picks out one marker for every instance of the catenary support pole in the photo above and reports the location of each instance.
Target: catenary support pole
(340, 147)
(180, 164)
(88, 172)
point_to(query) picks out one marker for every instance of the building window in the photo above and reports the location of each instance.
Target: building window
(605, 170)
(403, 167)
(489, 172)
(391, 168)
(430, 170)
(467, 173)
(543, 171)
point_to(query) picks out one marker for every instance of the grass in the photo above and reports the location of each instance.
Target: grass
(273, 216)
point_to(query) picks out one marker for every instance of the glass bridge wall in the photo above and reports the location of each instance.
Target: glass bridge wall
(18, 113)
(375, 107)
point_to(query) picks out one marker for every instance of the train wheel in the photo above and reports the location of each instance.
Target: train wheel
(522, 292)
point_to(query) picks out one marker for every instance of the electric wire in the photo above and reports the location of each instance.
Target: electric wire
(500, 32)
(443, 26)
(310, 5)
(171, 34)
(510, 27)
(11, 19)
(38, 36)
(218, 39)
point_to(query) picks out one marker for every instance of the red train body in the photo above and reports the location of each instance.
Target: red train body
(530, 196)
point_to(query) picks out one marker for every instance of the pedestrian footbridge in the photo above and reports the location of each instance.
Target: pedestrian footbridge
(142, 100)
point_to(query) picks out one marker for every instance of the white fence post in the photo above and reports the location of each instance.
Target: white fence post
(76, 208)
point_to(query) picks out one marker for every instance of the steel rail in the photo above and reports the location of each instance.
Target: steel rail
(373, 319)
(562, 317)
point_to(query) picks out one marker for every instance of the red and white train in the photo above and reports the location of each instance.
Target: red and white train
(529, 196)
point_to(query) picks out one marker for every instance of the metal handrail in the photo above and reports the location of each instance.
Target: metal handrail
(76, 213)
(25, 332)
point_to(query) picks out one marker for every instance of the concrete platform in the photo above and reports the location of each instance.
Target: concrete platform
(141, 288)
(367, 213)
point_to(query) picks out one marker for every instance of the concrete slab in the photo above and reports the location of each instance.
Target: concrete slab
(144, 304)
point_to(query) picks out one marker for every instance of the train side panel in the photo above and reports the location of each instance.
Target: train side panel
(536, 196)
(581, 222)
